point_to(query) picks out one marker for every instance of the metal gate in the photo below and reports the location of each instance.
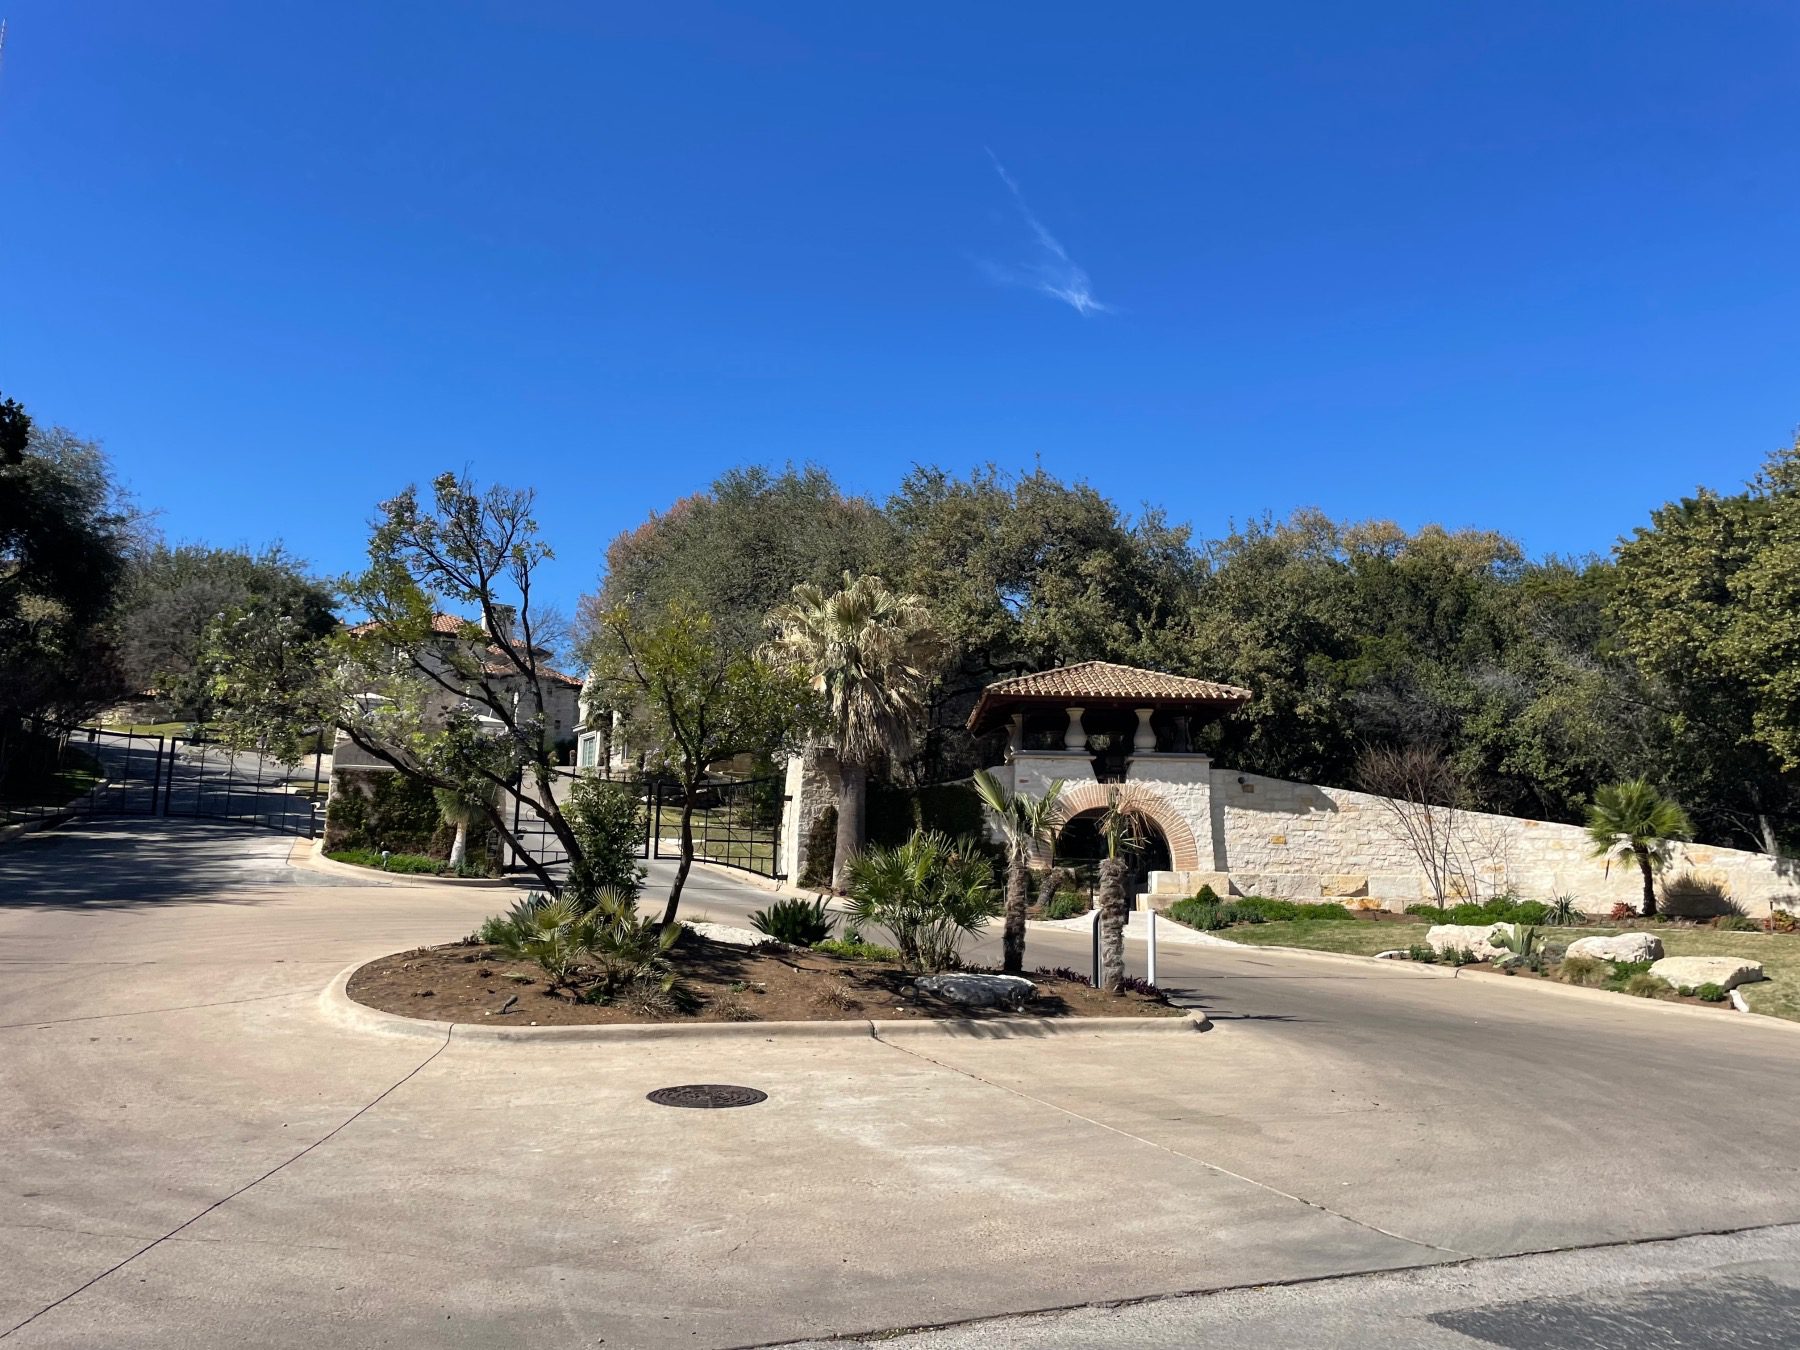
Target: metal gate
(207, 780)
(51, 771)
(736, 823)
(56, 772)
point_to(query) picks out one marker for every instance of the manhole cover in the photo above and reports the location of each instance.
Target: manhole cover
(707, 1095)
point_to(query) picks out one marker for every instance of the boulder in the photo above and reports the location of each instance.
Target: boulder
(1475, 937)
(1619, 947)
(1690, 972)
(977, 991)
(731, 935)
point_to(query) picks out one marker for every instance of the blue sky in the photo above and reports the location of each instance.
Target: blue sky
(1530, 266)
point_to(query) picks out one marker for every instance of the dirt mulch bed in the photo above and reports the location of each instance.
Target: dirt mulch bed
(471, 982)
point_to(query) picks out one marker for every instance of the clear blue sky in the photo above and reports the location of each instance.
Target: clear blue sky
(1529, 265)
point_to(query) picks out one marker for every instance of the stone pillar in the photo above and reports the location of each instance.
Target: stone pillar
(1144, 742)
(1075, 738)
(1015, 734)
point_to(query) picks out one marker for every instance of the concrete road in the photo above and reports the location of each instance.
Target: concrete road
(199, 1157)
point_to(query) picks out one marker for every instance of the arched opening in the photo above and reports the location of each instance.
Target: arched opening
(1081, 847)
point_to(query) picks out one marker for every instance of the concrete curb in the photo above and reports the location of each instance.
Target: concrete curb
(337, 1005)
(315, 860)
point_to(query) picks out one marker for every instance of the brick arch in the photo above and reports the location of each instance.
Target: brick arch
(1184, 848)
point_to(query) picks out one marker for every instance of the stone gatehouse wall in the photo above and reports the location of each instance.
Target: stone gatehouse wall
(1299, 841)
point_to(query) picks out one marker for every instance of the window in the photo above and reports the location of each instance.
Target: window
(590, 750)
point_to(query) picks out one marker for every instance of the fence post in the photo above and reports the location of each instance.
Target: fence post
(1151, 912)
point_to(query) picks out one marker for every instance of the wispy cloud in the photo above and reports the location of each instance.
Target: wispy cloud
(1052, 272)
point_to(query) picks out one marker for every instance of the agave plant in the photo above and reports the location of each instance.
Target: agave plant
(1562, 913)
(929, 893)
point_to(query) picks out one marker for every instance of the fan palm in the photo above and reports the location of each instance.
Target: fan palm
(929, 893)
(459, 809)
(1632, 819)
(1026, 822)
(870, 653)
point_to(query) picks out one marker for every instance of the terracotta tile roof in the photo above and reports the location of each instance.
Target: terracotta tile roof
(440, 623)
(504, 667)
(1102, 682)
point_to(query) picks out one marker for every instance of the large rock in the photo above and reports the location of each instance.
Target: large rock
(978, 991)
(1475, 937)
(731, 935)
(1619, 947)
(1690, 972)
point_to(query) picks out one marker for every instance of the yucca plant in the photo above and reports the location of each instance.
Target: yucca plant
(1561, 912)
(929, 893)
(797, 922)
(1633, 820)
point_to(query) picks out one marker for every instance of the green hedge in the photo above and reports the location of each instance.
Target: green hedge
(1206, 912)
(389, 810)
(1501, 909)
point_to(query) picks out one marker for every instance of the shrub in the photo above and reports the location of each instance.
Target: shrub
(1207, 895)
(1422, 951)
(1135, 984)
(553, 933)
(821, 849)
(562, 937)
(1736, 923)
(1066, 905)
(1586, 971)
(375, 810)
(628, 948)
(1624, 970)
(1642, 984)
(1274, 911)
(1782, 921)
(856, 951)
(1711, 993)
(1459, 956)
(1621, 913)
(413, 864)
(799, 923)
(1063, 973)
(608, 821)
(1199, 913)
(928, 893)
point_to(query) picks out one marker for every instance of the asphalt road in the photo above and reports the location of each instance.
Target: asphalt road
(200, 1157)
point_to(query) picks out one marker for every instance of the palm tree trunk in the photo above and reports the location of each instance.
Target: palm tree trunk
(1018, 896)
(853, 788)
(1643, 858)
(459, 847)
(1112, 925)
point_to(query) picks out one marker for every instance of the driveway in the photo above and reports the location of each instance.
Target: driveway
(199, 1157)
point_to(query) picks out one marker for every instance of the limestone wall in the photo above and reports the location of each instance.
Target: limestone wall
(811, 787)
(1296, 840)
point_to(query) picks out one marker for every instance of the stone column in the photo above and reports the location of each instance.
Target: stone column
(1144, 742)
(1075, 738)
(1015, 734)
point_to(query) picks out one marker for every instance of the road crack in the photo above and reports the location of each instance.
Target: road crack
(325, 1138)
(1175, 1152)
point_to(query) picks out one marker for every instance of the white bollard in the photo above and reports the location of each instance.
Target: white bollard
(1152, 972)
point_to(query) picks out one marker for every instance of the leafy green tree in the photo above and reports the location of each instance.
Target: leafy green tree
(1027, 822)
(462, 711)
(174, 595)
(66, 533)
(695, 698)
(1703, 600)
(868, 653)
(1633, 820)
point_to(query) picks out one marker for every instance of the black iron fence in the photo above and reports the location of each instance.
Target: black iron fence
(735, 823)
(52, 772)
(49, 771)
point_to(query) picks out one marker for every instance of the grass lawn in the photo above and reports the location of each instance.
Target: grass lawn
(1778, 996)
(152, 728)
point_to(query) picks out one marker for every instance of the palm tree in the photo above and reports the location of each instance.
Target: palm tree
(1633, 819)
(461, 809)
(1124, 826)
(870, 652)
(1025, 821)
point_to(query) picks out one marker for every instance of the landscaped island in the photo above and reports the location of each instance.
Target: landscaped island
(472, 981)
